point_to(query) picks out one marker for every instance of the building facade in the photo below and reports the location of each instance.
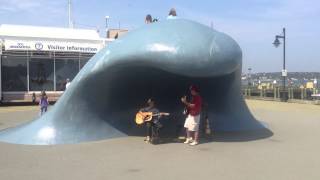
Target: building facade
(42, 58)
(116, 33)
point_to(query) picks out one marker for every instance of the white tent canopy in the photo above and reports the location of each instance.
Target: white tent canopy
(35, 38)
(7, 30)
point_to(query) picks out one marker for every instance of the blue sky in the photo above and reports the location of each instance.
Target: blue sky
(252, 23)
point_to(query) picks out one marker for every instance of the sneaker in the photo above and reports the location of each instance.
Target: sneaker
(147, 139)
(188, 140)
(194, 143)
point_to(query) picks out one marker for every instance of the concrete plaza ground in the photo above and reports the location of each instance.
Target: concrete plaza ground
(293, 152)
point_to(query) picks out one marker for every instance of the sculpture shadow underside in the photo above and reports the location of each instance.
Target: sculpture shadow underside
(161, 61)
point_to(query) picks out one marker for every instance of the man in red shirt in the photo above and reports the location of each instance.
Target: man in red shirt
(193, 119)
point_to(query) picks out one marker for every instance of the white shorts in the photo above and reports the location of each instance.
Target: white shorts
(192, 122)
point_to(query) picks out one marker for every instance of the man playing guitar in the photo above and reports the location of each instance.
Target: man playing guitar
(193, 117)
(154, 124)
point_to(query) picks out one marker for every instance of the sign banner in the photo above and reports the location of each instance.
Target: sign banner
(52, 46)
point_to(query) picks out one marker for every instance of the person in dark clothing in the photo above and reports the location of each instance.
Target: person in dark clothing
(154, 125)
(43, 103)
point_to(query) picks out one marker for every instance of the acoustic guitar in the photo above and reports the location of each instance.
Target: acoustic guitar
(142, 117)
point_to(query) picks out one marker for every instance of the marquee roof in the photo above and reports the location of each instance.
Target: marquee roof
(24, 31)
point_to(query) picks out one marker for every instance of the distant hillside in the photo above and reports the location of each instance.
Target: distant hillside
(277, 75)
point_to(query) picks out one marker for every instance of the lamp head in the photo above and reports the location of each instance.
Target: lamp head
(276, 42)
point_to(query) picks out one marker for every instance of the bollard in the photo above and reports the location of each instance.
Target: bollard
(290, 93)
(33, 97)
(305, 93)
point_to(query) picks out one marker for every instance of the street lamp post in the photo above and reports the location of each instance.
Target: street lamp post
(70, 23)
(276, 43)
(249, 77)
(315, 82)
(107, 25)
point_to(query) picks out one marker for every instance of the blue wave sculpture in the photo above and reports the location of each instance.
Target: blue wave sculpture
(159, 60)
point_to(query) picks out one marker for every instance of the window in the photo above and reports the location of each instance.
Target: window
(47, 71)
(83, 61)
(41, 74)
(65, 69)
(14, 73)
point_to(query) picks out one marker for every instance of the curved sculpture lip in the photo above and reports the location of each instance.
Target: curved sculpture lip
(159, 60)
(209, 53)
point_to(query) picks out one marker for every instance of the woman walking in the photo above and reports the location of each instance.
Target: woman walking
(43, 103)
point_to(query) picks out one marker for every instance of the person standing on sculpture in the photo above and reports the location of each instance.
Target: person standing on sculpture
(192, 121)
(43, 103)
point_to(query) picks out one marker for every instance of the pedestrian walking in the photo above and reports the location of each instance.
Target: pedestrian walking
(43, 103)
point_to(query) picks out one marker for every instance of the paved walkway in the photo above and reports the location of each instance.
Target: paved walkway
(291, 153)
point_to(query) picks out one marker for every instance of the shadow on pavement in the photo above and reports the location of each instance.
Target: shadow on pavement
(241, 136)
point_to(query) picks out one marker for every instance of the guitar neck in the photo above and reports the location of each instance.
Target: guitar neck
(159, 114)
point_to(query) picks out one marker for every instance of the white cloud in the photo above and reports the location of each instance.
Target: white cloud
(31, 6)
(18, 5)
(255, 29)
(33, 12)
(293, 10)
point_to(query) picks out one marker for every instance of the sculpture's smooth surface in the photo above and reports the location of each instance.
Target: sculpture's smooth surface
(159, 60)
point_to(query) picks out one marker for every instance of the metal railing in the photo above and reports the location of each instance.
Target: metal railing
(278, 93)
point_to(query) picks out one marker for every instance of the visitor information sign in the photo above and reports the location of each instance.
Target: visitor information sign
(52, 46)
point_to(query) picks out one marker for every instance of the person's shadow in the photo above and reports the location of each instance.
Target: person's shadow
(239, 136)
(173, 131)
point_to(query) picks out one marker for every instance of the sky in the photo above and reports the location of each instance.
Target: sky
(252, 23)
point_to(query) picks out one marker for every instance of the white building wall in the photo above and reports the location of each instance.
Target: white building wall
(33, 39)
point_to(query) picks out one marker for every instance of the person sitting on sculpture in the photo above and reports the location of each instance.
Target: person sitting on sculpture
(148, 19)
(172, 14)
